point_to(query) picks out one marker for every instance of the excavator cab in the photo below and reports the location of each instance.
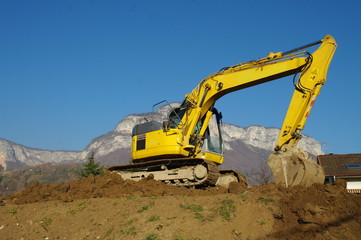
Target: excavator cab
(205, 142)
(212, 141)
(208, 143)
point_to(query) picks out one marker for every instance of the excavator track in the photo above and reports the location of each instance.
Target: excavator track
(179, 172)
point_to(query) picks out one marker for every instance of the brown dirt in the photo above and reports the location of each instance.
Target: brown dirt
(107, 207)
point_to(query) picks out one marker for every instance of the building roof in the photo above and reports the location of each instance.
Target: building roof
(341, 164)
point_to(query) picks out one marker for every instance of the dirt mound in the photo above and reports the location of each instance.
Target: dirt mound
(317, 212)
(107, 207)
(110, 185)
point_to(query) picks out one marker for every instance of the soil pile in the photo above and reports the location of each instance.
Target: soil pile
(107, 207)
(110, 185)
(318, 212)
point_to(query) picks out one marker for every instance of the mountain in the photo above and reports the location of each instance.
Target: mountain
(14, 155)
(246, 148)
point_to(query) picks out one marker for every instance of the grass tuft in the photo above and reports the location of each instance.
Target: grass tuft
(266, 200)
(244, 196)
(227, 209)
(146, 207)
(153, 218)
(152, 236)
(262, 221)
(192, 207)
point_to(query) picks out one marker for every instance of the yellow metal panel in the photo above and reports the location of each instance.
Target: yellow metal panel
(213, 157)
(159, 143)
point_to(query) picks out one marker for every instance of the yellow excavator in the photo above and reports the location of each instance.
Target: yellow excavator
(187, 148)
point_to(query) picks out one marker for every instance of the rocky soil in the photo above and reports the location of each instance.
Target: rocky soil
(107, 207)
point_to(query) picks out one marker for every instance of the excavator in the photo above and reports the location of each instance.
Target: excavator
(187, 148)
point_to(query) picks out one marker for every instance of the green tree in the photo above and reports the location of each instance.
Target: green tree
(91, 167)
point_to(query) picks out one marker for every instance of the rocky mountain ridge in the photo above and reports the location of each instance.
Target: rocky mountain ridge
(245, 147)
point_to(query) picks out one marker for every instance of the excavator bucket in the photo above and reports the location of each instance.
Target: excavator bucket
(294, 167)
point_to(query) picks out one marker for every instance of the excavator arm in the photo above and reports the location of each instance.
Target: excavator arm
(291, 166)
(306, 91)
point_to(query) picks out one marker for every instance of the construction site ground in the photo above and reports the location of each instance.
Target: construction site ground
(107, 207)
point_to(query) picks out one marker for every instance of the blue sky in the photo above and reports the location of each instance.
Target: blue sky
(71, 70)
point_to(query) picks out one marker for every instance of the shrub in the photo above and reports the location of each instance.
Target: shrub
(91, 167)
